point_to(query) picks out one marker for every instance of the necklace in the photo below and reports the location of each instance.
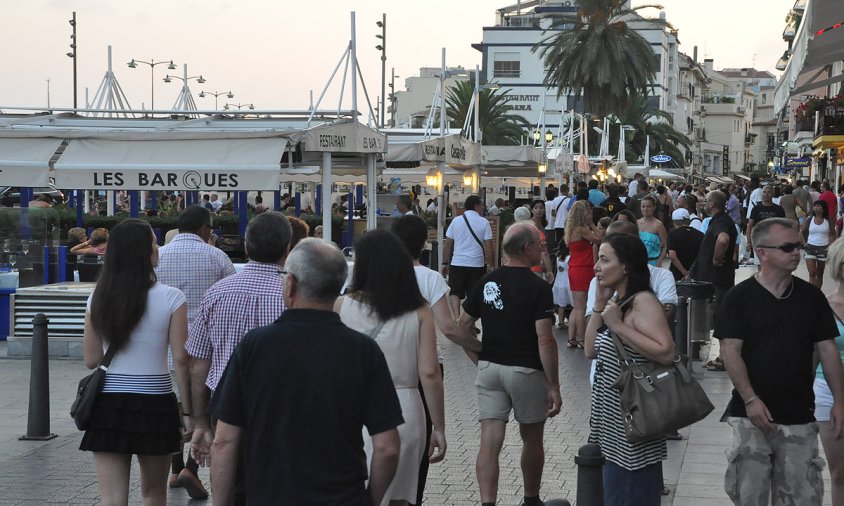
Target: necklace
(786, 294)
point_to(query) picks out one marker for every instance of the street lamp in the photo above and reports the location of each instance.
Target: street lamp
(152, 63)
(169, 79)
(72, 54)
(216, 94)
(383, 48)
(239, 106)
(393, 98)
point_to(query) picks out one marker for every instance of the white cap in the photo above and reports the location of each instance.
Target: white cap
(680, 215)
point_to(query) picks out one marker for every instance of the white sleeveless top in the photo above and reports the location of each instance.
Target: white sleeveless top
(818, 234)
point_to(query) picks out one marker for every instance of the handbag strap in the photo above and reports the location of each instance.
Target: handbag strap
(473, 233)
(109, 354)
(376, 330)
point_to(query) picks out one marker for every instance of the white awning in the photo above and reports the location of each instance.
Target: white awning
(811, 50)
(186, 164)
(26, 162)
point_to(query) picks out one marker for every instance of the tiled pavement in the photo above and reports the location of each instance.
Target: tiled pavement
(55, 472)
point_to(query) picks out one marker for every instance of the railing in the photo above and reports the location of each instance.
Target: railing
(831, 125)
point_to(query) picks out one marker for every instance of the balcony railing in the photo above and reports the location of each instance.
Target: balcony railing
(831, 125)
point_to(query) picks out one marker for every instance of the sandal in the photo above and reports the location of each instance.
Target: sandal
(715, 365)
(580, 345)
(572, 344)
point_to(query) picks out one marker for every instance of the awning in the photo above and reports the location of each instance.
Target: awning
(812, 50)
(344, 138)
(187, 164)
(26, 162)
(741, 176)
(661, 174)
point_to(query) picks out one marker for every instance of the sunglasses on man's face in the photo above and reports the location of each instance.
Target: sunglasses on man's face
(785, 248)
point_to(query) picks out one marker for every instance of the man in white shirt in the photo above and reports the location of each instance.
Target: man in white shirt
(550, 195)
(467, 250)
(632, 187)
(216, 203)
(559, 212)
(495, 210)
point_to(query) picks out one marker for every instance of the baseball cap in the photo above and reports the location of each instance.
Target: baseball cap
(680, 215)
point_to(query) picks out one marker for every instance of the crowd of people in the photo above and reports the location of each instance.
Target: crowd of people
(339, 397)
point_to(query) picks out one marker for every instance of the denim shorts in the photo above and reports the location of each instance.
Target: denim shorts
(816, 252)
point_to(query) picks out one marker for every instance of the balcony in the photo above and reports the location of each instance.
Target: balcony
(830, 132)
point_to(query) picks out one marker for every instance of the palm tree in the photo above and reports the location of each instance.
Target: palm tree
(499, 126)
(648, 121)
(598, 55)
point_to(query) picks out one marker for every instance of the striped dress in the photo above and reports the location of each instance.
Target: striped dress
(605, 420)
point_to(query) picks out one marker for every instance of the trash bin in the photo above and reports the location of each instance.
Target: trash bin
(699, 295)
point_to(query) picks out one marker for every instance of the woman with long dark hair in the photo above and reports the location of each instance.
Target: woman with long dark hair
(632, 472)
(537, 217)
(385, 303)
(136, 413)
(817, 232)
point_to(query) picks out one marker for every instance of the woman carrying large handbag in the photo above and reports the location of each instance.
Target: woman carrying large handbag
(633, 471)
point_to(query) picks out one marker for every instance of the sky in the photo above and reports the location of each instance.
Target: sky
(273, 53)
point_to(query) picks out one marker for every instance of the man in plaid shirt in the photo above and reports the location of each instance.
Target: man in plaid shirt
(231, 308)
(190, 264)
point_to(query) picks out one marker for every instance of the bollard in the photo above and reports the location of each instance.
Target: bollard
(38, 418)
(681, 328)
(590, 479)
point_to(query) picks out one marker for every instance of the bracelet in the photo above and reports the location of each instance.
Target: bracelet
(185, 414)
(597, 311)
(748, 401)
(445, 263)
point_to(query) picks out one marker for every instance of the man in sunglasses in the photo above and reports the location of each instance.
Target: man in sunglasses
(770, 362)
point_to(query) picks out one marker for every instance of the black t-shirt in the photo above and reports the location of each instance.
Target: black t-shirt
(686, 242)
(613, 205)
(301, 389)
(762, 212)
(703, 268)
(777, 350)
(509, 301)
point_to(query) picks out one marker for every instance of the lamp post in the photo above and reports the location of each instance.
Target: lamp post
(542, 168)
(239, 106)
(71, 54)
(152, 63)
(383, 48)
(216, 94)
(185, 100)
(393, 98)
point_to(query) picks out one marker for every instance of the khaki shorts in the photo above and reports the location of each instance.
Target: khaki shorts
(504, 387)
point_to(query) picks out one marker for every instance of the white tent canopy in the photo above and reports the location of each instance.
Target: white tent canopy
(187, 164)
(26, 162)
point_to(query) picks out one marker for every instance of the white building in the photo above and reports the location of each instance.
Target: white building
(725, 119)
(414, 103)
(508, 59)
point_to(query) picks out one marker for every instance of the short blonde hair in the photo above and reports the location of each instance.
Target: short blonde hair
(835, 259)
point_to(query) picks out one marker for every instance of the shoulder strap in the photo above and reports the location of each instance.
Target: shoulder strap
(109, 355)
(473, 233)
(560, 204)
(377, 330)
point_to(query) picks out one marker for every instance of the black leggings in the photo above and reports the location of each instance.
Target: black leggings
(423, 466)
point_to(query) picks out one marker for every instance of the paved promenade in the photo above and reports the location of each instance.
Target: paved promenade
(55, 472)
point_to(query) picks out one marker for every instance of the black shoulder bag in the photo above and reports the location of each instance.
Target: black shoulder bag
(657, 399)
(88, 390)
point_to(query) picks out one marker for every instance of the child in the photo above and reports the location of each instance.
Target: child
(562, 293)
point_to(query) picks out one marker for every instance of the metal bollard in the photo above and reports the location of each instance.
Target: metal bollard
(38, 418)
(681, 329)
(590, 479)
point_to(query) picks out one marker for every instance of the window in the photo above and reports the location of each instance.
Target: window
(506, 65)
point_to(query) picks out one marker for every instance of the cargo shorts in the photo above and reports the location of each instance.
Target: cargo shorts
(783, 465)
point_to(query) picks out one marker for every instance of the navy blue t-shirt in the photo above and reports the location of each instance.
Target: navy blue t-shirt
(302, 389)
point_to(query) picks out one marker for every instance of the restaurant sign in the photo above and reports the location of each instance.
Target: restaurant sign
(345, 138)
(793, 162)
(453, 149)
